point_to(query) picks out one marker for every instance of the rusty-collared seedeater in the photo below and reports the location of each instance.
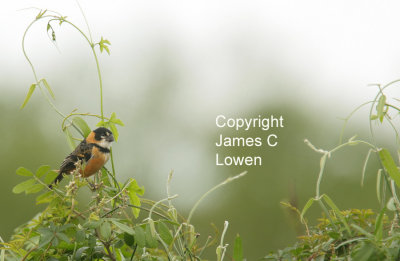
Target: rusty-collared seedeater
(93, 152)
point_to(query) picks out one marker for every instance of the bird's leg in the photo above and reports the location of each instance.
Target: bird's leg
(92, 186)
(96, 185)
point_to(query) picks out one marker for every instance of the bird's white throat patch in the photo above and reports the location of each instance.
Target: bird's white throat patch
(105, 144)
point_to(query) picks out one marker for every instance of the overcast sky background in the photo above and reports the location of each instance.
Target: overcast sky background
(335, 48)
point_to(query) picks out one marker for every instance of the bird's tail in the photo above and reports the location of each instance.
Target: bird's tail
(57, 179)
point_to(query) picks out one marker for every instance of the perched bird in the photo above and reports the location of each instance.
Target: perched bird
(93, 152)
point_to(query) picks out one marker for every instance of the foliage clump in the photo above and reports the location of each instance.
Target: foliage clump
(116, 222)
(356, 234)
(372, 237)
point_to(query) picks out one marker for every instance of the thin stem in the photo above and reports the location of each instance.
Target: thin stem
(110, 254)
(97, 63)
(326, 212)
(113, 169)
(321, 173)
(113, 177)
(101, 83)
(134, 251)
(33, 68)
(168, 184)
(327, 155)
(386, 175)
(134, 206)
(160, 201)
(348, 118)
(77, 113)
(228, 180)
(86, 21)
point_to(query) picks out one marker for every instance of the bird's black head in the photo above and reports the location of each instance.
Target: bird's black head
(103, 134)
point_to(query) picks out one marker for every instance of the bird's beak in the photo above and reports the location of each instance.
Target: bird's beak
(110, 138)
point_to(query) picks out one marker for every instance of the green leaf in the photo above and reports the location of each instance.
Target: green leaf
(82, 125)
(114, 119)
(165, 233)
(46, 84)
(119, 122)
(134, 189)
(238, 249)
(70, 140)
(24, 172)
(140, 236)
(105, 178)
(134, 199)
(65, 227)
(374, 117)
(114, 131)
(46, 236)
(379, 225)
(119, 244)
(42, 170)
(51, 175)
(362, 231)
(34, 189)
(80, 235)
(129, 239)
(113, 116)
(105, 230)
(380, 107)
(333, 206)
(55, 241)
(306, 207)
(21, 187)
(151, 241)
(28, 96)
(378, 185)
(390, 166)
(63, 237)
(44, 198)
(121, 255)
(365, 167)
(364, 253)
(41, 13)
(92, 224)
(62, 19)
(391, 204)
(123, 227)
(80, 252)
(92, 241)
(100, 124)
(103, 45)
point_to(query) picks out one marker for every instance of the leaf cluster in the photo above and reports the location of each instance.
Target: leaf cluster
(117, 223)
(112, 226)
(355, 234)
(372, 237)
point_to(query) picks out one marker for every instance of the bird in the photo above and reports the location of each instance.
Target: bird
(93, 152)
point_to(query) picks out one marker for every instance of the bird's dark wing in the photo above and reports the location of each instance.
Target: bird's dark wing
(82, 152)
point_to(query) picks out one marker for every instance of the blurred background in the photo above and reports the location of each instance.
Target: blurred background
(176, 65)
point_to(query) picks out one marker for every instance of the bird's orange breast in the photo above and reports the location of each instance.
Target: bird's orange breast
(95, 163)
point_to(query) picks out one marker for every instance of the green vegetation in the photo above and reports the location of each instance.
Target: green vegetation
(355, 234)
(116, 223)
